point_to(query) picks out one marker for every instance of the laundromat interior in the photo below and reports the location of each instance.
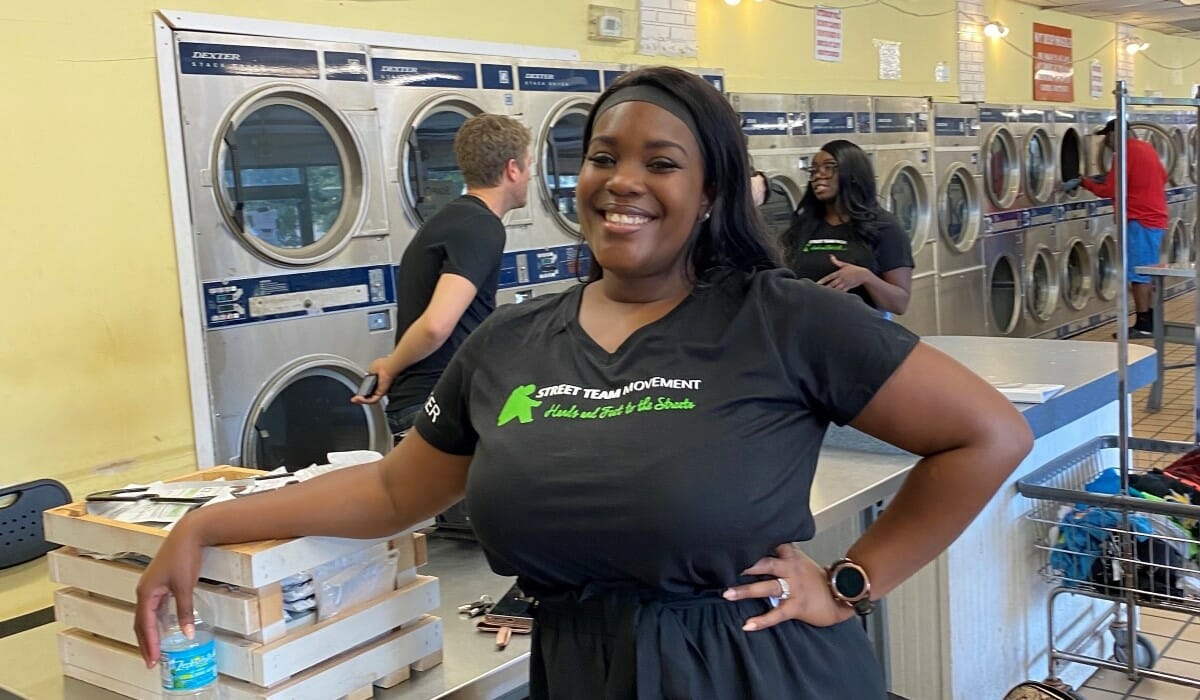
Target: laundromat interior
(160, 322)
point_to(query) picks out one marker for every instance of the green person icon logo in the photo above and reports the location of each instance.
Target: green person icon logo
(519, 405)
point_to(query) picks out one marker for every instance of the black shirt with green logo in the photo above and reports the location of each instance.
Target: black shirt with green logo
(666, 468)
(811, 240)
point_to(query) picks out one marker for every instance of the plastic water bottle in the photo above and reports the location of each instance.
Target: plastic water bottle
(189, 666)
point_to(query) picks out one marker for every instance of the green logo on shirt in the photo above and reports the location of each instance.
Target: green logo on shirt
(519, 405)
(824, 245)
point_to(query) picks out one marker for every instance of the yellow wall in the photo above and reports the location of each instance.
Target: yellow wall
(1009, 73)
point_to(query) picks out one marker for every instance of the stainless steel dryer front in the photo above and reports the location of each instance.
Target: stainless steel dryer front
(1041, 281)
(904, 169)
(1073, 255)
(423, 99)
(291, 245)
(775, 126)
(1002, 254)
(958, 249)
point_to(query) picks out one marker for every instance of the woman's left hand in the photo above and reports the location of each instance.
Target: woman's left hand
(846, 276)
(809, 599)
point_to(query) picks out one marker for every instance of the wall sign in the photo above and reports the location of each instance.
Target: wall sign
(1097, 73)
(1053, 74)
(889, 59)
(828, 33)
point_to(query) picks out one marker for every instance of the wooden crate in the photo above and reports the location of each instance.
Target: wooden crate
(252, 565)
(258, 655)
(384, 661)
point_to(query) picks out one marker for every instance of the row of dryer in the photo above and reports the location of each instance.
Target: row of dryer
(999, 248)
(309, 168)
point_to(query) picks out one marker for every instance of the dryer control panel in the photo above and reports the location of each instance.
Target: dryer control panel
(260, 299)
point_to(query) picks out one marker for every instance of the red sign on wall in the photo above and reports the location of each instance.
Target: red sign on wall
(1053, 74)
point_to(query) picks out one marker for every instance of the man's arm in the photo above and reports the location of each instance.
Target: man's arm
(451, 298)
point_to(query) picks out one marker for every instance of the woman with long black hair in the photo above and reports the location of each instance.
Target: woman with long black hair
(842, 238)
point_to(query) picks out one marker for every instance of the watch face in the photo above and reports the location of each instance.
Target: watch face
(850, 582)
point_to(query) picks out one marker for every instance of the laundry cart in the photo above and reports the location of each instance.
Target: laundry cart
(1129, 549)
(1116, 522)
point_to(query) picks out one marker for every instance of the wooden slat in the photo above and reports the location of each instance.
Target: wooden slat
(265, 664)
(100, 661)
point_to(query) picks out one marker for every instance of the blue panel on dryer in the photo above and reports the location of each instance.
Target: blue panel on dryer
(535, 79)
(252, 300)
(610, 76)
(950, 126)
(413, 73)
(895, 122)
(765, 123)
(833, 123)
(340, 65)
(497, 76)
(247, 61)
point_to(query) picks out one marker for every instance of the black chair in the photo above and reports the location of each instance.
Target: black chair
(21, 507)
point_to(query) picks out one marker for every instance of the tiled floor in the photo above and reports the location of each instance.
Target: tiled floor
(1176, 636)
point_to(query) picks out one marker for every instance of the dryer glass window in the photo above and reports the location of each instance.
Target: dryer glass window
(779, 208)
(310, 417)
(563, 156)
(1037, 165)
(433, 178)
(1004, 295)
(1106, 269)
(282, 176)
(1042, 287)
(956, 212)
(1194, 155)
(906, 204)
(1179, 146)
(1161, 142)
(1079, 276)
(998, 169)
(1177, 251)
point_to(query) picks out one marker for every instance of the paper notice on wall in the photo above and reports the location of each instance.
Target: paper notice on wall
(889, 59)
(828, 33)
(941, 73)
(1097, 82)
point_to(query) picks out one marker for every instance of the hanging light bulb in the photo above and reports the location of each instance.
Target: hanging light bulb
(1134, 44)
(733, 3)
(995, 29)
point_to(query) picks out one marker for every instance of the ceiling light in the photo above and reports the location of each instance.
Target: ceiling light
(732, 3)
(995, 29)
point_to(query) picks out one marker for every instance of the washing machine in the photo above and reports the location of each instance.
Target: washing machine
(904, 173)
(423, 99)
(1000, 158)
(775, 125)
(1004, 282)
(1074, 258)
(958, 215)
(1040, 281)
(292, 251)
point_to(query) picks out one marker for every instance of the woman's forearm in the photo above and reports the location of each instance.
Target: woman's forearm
(887, 296)
(350, 502)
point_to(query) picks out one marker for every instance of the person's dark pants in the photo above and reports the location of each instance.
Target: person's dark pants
(400, 422)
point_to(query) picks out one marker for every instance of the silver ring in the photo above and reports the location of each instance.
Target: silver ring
(785, 590)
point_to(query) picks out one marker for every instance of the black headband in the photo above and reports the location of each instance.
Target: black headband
(655, 96)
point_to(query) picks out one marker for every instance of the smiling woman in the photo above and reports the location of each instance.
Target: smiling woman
(658, 430)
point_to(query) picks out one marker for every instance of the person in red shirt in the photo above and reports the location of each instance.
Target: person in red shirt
(1146, 205)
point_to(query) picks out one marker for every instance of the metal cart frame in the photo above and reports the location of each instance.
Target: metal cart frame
(1060, 484)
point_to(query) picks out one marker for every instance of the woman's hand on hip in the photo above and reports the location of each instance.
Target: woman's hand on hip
(808, 598)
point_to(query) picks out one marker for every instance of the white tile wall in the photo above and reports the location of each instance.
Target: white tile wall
(668, 28)
(971, 84)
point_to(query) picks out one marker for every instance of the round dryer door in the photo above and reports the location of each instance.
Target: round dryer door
(1001, 168)
(304, 413)
(1107, 268)
(1176, 248)
(1041, 284)
(562, 156)
(291, 177)
(1076, 274)
(904, 195)
(1194, 155)
(1152, 133)
(431, 177)
(1072, 158)
(1004, 293)
(780, 207)
(958, 209)
(1037, 166)
(1179, 146)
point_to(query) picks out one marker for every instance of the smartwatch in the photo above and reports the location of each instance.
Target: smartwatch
(850, 586)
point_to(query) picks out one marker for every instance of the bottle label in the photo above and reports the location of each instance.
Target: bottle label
(190, 669)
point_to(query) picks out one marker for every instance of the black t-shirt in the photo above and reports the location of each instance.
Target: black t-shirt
(811, 240)
(672, 464)
(464, 238)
